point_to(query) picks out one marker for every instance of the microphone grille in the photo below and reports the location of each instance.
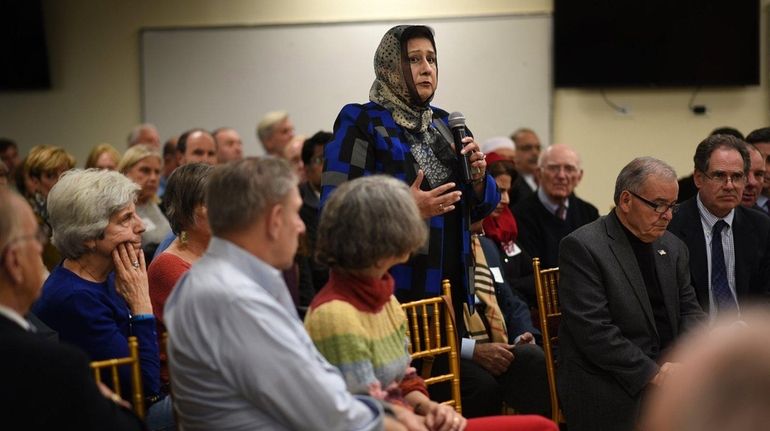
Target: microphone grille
(456, 119)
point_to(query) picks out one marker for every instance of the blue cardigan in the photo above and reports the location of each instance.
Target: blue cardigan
(95, 318)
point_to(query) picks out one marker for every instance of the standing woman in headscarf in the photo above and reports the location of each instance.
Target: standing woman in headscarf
(399, 133)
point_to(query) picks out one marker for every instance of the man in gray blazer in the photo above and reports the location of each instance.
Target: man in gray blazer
(625, 297)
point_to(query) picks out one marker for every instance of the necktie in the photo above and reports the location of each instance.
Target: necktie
(720, 288)
(561, 212)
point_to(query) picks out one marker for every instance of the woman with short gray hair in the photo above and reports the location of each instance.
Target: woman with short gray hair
(355, 321)
(98, 295)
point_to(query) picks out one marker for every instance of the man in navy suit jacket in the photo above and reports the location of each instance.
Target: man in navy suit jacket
(46, 385)
(721, 166)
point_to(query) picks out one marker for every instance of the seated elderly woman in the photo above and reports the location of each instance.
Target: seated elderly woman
(185, 207)
(142, 164)
(103, 156)
(99, 295)
(357, 323)
(42, 169)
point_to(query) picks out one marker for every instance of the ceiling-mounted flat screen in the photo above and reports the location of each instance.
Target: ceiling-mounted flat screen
(664, 43)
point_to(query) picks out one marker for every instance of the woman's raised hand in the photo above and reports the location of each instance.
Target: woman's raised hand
(131, 278)
(434, 202)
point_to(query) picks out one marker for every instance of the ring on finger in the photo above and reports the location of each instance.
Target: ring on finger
(135, 264)
(441, 207)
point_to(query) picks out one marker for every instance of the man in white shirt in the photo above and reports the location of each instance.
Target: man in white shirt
(240, 358)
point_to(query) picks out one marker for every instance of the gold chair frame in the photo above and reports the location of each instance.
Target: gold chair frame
(549, 313)
(424, 330)
(136, 374)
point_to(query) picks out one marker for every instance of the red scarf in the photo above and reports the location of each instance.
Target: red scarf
(364, 293)
(501, 229)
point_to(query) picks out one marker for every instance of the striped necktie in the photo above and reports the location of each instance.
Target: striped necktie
(719, 286)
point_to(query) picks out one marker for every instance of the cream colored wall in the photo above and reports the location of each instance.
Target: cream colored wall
(94, 54)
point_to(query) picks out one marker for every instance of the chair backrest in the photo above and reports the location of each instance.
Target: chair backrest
(431, 332)
(136, 375)
(549, 313)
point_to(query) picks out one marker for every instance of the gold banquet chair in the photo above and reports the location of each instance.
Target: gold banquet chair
(428, 338)
(136, 374)
(549, 313)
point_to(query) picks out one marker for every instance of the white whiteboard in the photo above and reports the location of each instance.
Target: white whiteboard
(495, 70)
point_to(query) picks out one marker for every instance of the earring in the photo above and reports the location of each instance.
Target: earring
(183, 237)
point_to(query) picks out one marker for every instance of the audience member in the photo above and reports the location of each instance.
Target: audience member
(755, 179)
(46, 385)
(43, 166)
(142, 164)
(729, 245)
(687, 188)
(355, 321)
(196, 146)
(169, 164)
(9, 154)
(275, 130)
(501, 228)
(503, 146)
(310, 191)
(239, 355)
(527, 155)
(625, 298)
(229, 144)
(292, 152)
(399, 133)
(145, 133)
(723, 382)
(98, 296)
(551, 213)
(499, 358)
(760, 138)
(187, 213)
(103, 156)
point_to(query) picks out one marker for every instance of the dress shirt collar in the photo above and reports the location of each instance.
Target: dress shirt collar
(710, 219)
(12, 315)
(265, 275)
(550, 206)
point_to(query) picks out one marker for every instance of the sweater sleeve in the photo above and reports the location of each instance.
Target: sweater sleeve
(341, 338)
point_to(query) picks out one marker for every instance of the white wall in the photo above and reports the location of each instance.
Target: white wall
(94, 53)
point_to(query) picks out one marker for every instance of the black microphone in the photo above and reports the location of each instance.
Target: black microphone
(457, 124)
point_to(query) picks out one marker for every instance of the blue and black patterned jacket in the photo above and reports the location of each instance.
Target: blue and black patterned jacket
(366, 142)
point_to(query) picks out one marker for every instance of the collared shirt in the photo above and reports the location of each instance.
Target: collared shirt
(550, 206)
(530, 180)
(762, 203)
(13, 316)
(240, 358)
(708, 221)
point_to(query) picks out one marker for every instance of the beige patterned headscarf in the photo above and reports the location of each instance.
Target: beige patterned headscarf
(393, 88)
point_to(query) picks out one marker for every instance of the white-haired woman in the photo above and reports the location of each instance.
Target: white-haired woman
(142, 164)
(98, 296)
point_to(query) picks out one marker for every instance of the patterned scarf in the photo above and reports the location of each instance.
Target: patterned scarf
(492, 326)
(394, 90)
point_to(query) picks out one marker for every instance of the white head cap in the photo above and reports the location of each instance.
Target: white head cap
(496, 143)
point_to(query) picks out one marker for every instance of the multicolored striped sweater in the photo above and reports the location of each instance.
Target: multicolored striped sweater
(359, 326)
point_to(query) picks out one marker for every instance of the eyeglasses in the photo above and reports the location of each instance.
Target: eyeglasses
(722, 177)
(555, 169)
(658, 208)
